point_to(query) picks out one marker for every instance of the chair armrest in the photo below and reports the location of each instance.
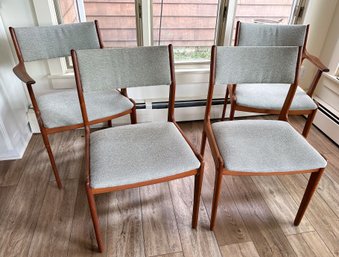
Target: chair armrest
(315, 61)
(21, 73)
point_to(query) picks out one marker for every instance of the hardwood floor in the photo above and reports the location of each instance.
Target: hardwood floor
(255, 216)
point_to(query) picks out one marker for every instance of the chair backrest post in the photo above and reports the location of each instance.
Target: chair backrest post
(171, 101)
(16, 45)
(211, 84)
(79, 88)
(237, 28)
(101, 44)
(293, 88)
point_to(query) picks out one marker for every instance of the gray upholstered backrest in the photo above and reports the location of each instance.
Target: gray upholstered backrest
(46, 42)
(109, 68)
(271, 35)
(258, 64)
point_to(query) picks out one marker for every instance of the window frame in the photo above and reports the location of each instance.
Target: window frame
(60, 72)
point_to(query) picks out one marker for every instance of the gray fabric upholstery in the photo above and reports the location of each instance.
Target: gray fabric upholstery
(125, 67)
(272, 96)
(271, 35)
(264, 146)
(255, 65)
(63, 108)
(47, 42)
(135, 153)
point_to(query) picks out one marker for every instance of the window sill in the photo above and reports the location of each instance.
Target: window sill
(332, 78)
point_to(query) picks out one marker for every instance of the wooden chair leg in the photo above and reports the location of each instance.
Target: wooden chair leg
(310, 189)
(232, 112)
(203, 143)
(309, 123)
(109, 123)
(216, 195)
(51, 157)
(134, 115)
(95, 218)
(197, 193)
(225, 105)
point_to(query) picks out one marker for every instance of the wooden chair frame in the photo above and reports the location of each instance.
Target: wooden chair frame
(231, 89)
(198, 173)
(21, 73)
(220, 169)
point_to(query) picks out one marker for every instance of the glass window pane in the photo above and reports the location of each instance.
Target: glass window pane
(116, 19)
(67, 11)
(189, 25)
(263, 11)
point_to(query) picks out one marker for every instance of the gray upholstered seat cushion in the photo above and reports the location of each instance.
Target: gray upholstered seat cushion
(272, 96)
(135, 153)
(264, 146)
(63, 108)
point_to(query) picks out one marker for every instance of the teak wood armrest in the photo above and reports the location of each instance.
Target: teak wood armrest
(21, 73)
(315, 61)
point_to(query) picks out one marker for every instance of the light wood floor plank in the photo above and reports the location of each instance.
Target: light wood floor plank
(239, 250)
(20, 221)
(322, 218)
(68, 149)
(11, 171)
(328, 187)
(198, 242)
(51, 236)
(282, 205)
(309, 245)
(124, 225)
(180, 254)
(265, 232)
(6, 195)
(82, 240)
(159, 224)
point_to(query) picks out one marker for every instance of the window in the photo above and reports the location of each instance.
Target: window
(190, 25)
(262, 11)
(116, 18)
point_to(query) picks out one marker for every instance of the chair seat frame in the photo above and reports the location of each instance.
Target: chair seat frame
(231, 89)
(21, 73)
(91, 192)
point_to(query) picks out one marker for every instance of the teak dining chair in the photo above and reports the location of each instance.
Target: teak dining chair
(134, 155)
(258, 147)
(60, 111)
(268, 98)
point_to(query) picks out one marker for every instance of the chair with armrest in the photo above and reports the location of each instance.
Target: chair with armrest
(60, 111)
(133, 155)
(258, 147)
(268, 98)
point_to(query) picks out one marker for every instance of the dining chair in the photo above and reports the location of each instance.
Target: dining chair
(60, 111)
(268, 98)
(136, 155)
(258, 147)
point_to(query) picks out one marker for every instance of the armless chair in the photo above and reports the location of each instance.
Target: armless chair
(60, 111)
(134, 155)
(268, 98)
(259, 147)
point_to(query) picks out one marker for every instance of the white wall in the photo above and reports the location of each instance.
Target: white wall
(14, 129)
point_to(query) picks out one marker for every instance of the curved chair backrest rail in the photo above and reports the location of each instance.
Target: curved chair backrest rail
(103, 69)
(263, 64)
(47, 42)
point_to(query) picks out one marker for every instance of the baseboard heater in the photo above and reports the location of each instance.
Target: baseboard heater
(181, 103)
(328, 113)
